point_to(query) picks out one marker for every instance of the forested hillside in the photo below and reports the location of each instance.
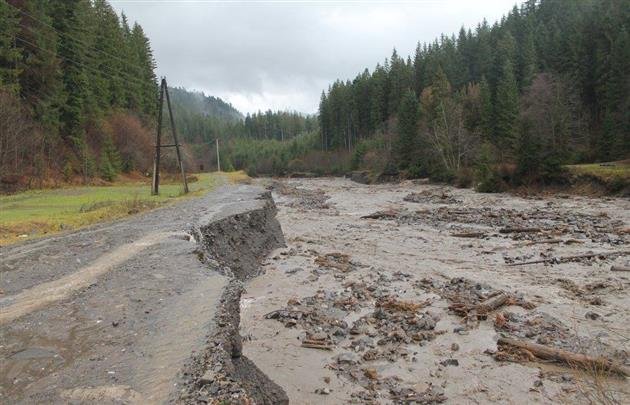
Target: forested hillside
(77, 90)
(547, 85)
(200, 118)
(247, 141)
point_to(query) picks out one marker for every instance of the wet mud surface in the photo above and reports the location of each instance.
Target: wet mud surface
(400, 293)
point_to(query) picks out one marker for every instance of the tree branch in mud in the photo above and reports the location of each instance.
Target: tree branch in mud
(566, 357)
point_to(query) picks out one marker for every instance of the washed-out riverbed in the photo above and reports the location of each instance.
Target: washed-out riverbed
(376, 298)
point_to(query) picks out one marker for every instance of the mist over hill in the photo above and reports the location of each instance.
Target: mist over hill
(197, 102)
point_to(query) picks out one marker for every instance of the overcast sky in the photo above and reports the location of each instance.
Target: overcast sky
(280, 54)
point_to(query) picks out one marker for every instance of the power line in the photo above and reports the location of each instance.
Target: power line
(68, 36)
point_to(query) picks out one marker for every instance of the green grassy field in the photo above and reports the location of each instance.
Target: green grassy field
(36, 213)
(605, 171)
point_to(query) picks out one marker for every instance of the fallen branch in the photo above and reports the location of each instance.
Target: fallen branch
(317, 344)
(571, 258)
(520, 230)
(566, 357)
(493, 303)
(469, 235)
(550, 241)
(540, 242)
(620, 268)
(381, 214)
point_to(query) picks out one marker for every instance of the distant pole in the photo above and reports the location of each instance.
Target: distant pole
(218, 160)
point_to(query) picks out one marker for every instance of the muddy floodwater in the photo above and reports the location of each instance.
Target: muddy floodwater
(398, 293)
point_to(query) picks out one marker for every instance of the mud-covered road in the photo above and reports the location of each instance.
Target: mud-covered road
(383, 295)
(131, 311)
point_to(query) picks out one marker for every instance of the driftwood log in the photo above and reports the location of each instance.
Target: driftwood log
(566, 357)
(620, 268)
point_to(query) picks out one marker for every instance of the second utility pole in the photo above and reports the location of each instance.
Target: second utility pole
(218, 160)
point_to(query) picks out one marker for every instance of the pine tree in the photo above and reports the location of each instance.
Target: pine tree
(407, 129)
(418, 70)
(324, 120)
(40, 73)
(617, 103)
(106, 58)
(526, 58)
(9, 51)
(142, 48)
(487, 111)
(110, 162)
(69, 18)
(506, 111)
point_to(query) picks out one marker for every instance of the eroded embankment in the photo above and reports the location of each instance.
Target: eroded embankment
(233, 244)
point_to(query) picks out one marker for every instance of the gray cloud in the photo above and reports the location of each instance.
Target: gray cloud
(280, 54)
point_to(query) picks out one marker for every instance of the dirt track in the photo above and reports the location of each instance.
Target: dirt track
(127, 312)
(384, 304)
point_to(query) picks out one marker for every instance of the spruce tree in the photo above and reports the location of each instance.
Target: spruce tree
(487, 111)
(9, 51)
(110, 162)
(142, 48)
(506, 111)
(526, 57)
(407, 129)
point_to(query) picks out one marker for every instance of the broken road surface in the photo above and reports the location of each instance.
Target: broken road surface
(125, 312)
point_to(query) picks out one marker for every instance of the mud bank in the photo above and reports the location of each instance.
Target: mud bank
(233, 242)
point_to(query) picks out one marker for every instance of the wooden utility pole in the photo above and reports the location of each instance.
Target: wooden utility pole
(155, 185)
(218, 160)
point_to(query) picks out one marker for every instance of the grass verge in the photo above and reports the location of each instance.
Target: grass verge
(37, 213)
(607, 172)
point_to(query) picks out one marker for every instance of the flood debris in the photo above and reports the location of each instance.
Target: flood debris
(432, 197)
(315, 342)
(432, 395)
(335, 260)
(516, 224)
(302, 198)
(565, 259)
(472, 300)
